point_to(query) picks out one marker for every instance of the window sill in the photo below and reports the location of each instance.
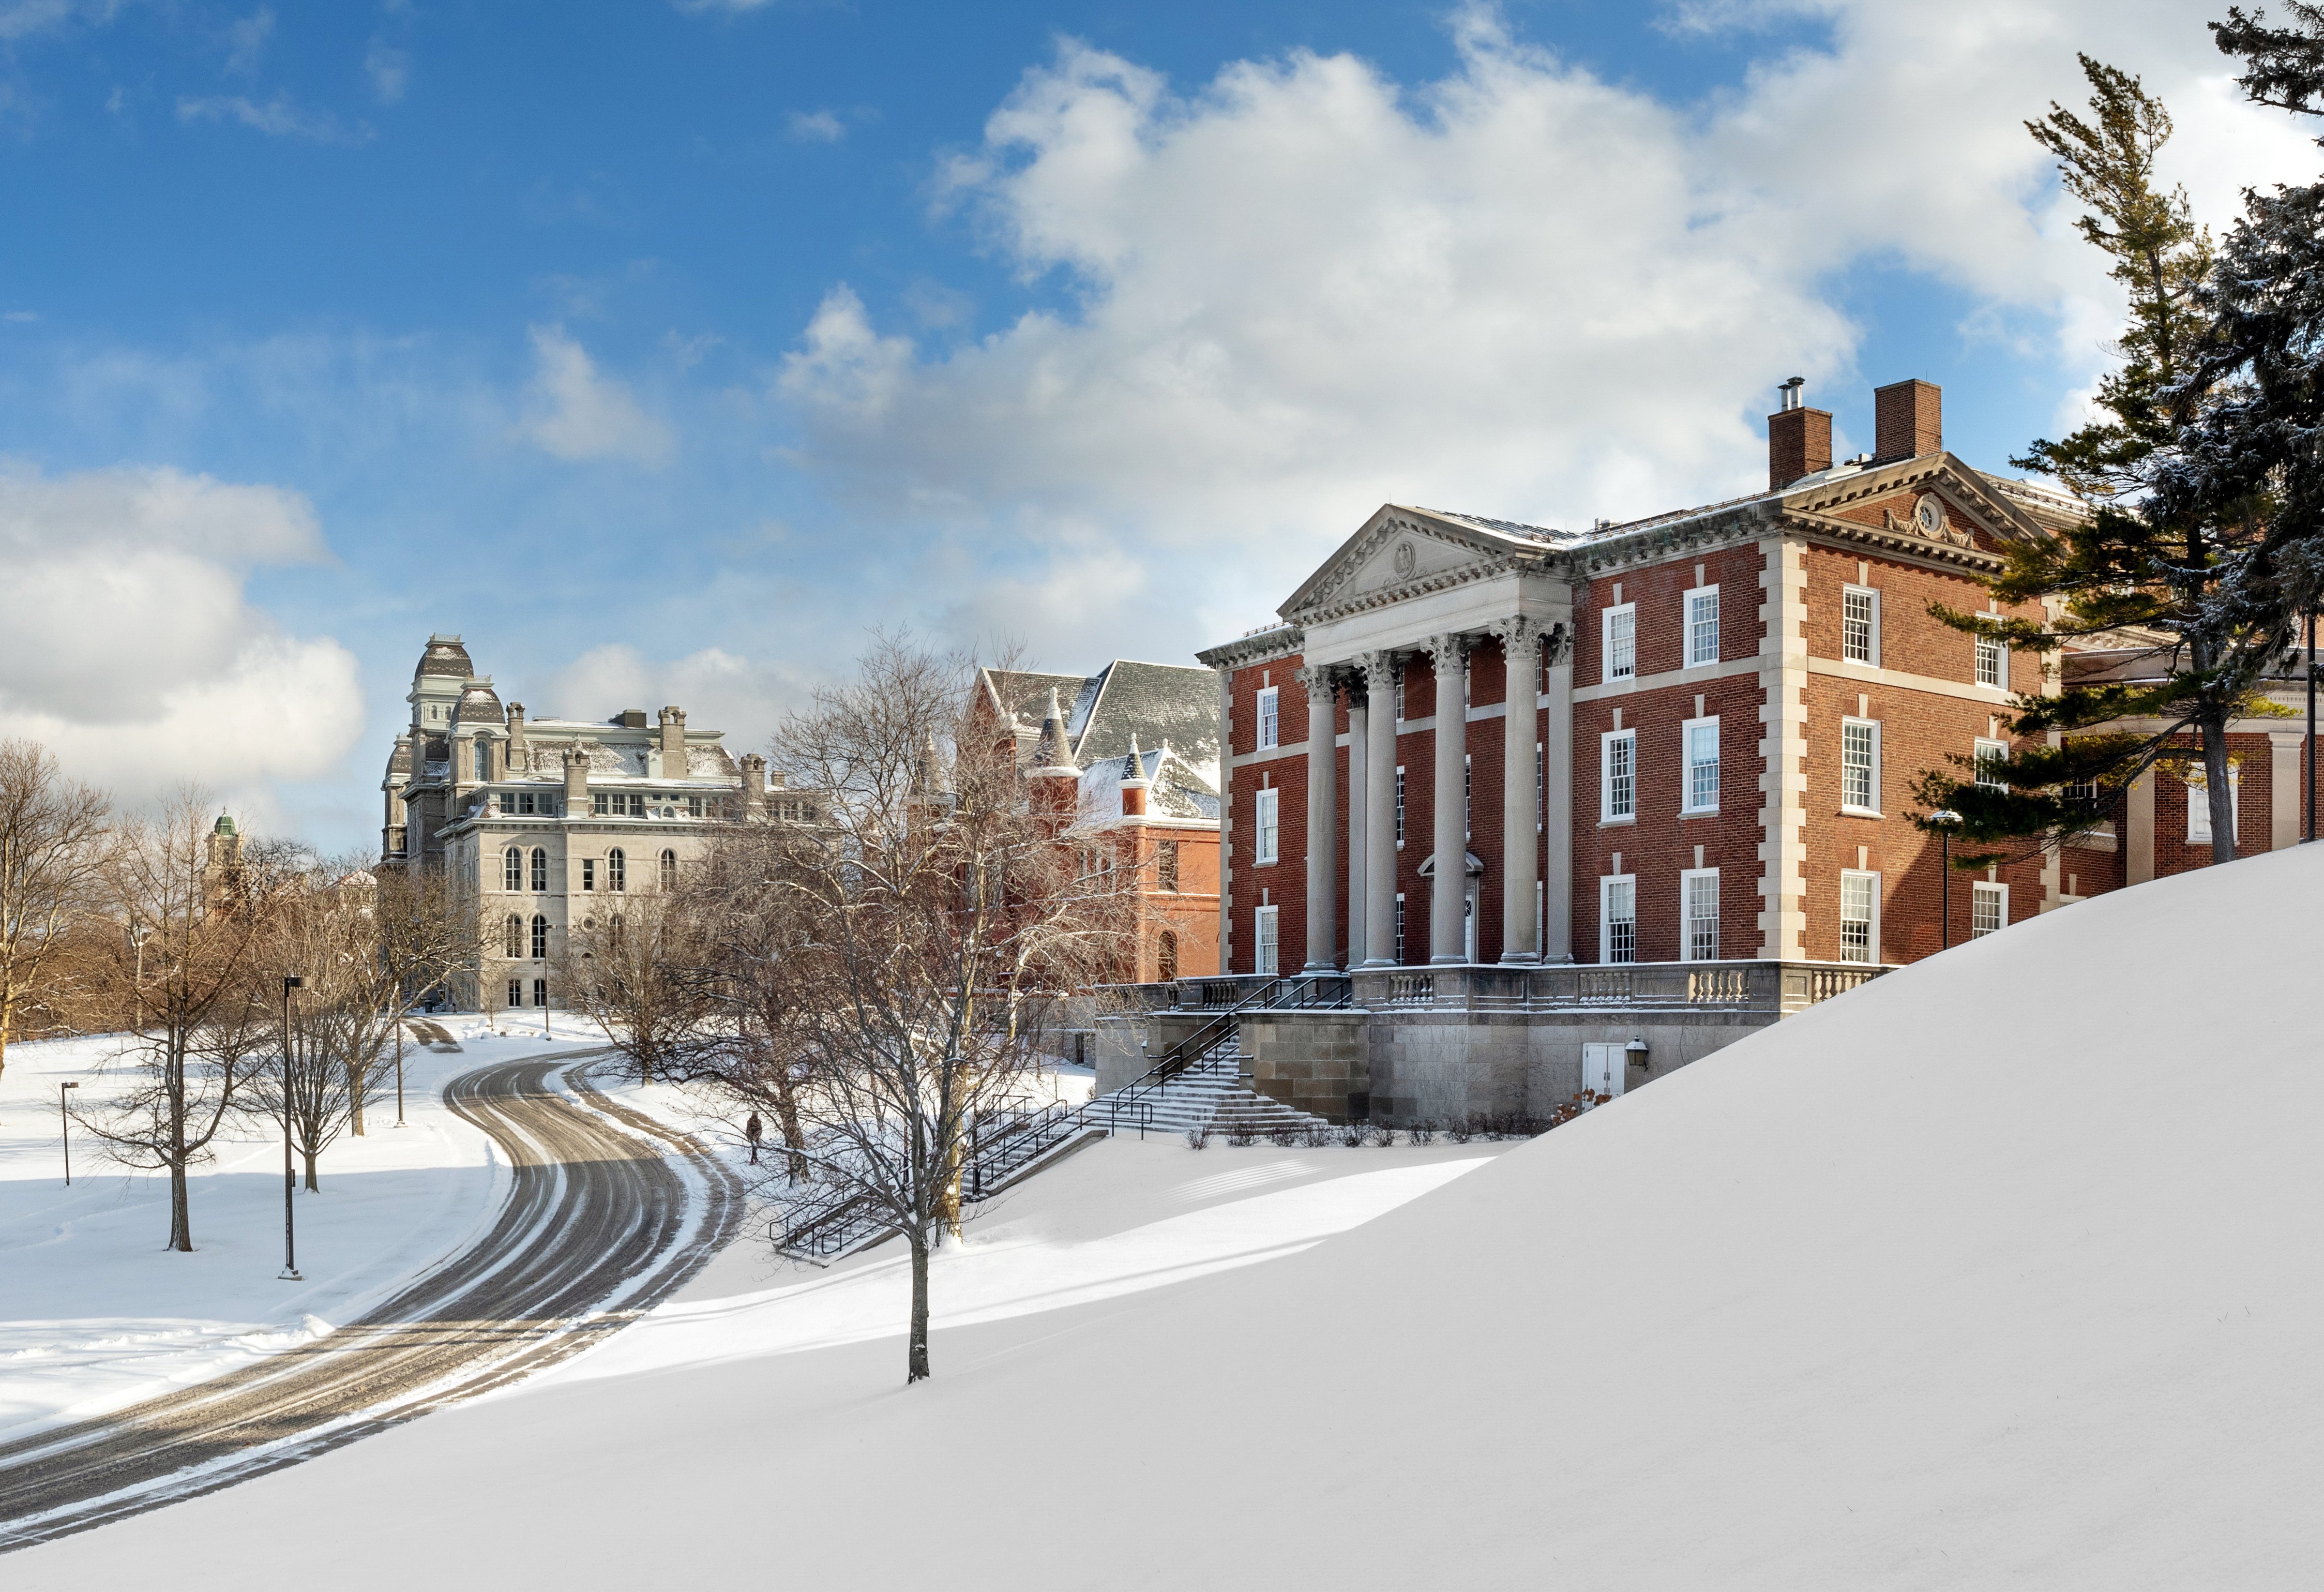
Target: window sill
(1608, 823)
(1688, 812)
(1265, 861)
(1862, 812)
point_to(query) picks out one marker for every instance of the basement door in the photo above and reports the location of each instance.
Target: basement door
(1602, 1067)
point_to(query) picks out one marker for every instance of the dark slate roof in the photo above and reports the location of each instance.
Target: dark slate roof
(399, 761)
(1026, 693)
(479, 704)
(445, 655)
(1158, 703)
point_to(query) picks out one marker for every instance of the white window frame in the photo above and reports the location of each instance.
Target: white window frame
(1872, 651)
(1399, 928)
(1872, 808)
(1999, 653)
(1628, 613)
(1609, 884)
(1695, 624)
(1872, 931)
(1399, 807)
(1606, 813)
(1986, 748)
(1270, 717)
(2198, 804)
(1266, 941)
(1468, 800)
(1688, 732)
(1540, 788)
(1267, 824)
(1987, 890)
(1687, 950)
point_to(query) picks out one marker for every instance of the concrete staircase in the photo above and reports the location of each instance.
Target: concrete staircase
(1212, 1096)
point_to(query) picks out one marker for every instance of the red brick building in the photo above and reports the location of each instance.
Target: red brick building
(1690, 738)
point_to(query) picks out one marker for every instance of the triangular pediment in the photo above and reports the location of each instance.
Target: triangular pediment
(1935, 503)
(1402, 552)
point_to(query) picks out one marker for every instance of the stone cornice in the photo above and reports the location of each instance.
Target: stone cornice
(1282, 640)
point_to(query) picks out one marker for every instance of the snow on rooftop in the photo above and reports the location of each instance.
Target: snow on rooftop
(1998, 1271)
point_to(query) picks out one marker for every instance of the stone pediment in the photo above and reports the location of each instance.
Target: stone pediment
(1935, 506)
(1402, 553)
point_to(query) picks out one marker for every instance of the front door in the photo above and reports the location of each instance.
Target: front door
(1602, 1067)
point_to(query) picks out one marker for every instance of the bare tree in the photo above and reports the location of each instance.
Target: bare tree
(635, 970)
(426, 934)
(192, 905)
(54, 834)
(943, 902)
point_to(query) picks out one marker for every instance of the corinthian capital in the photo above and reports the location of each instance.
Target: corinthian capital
(1378, 671)
(1318, 679)
(1449, 650)
(1519, 634)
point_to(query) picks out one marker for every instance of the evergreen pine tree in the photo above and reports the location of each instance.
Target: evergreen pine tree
(2139, 575)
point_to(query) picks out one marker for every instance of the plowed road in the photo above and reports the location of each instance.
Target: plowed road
(594, 1212)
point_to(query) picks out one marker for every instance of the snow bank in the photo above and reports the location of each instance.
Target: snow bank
(94, 1313)
(2001, 1269)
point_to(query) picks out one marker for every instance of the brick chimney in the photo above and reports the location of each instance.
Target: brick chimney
(1799, 438)
(1907, 421)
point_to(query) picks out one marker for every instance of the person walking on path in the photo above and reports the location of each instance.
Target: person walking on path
(750, 1131)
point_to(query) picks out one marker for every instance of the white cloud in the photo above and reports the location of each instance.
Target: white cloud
(246, 42)
(133, 651)
(389, 69)
(576, 413)
(277, 118)
(1523, 291)
(719, 690)
(820, 126)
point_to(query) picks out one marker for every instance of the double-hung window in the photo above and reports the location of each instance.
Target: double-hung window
(2198, 805)
(539, 869)
(1988, 909)
(1399, 928)
(1990, 758)
(1859, 764)
(1859, 916)
(1618, 801)
(1399, 807)
(512, 869)
(1165, 856)
(1698, 891)
(1270, 803)
(1618, 919)
(1263, 940)
(1621, 641)
(1859, 624)
(1992, 664)
(1701, 626)
(1702, 793)
(1270, 717)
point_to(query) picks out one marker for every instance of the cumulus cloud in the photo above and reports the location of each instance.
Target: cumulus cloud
(719, 690)
(1304, 289)
(133, 652)
(576, 413)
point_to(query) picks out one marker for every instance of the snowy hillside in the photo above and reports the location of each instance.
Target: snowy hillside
(2003, 1269)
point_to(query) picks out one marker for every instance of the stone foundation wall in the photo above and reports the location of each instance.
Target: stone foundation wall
(1318, 1061)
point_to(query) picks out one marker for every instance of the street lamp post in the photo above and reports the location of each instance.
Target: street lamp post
(290, 1272)
(399, 1070)
(64, 1121)
(1945, 821)
(2311, 721)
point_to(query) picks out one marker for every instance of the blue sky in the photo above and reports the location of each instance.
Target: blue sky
(662, 350)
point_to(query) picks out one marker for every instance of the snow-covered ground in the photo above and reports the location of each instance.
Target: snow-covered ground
(2001, 1270)
(96, 1313)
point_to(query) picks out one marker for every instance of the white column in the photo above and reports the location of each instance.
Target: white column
(1379, 809)
(1557, 801)
(1520, 787)
(1448, 901)
(1359, 755)
(1323, 815)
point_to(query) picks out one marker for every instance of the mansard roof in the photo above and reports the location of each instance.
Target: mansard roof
(480, 704)
(444, 655)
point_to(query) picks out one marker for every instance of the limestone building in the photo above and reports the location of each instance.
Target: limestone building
(553, 821)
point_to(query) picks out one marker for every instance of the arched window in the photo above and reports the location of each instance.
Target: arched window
(617, 870)
(540, 937)
(514, 943)
(1166, 966)
(670, 870)
(512, 869)
(539, 869)
(613, 933)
